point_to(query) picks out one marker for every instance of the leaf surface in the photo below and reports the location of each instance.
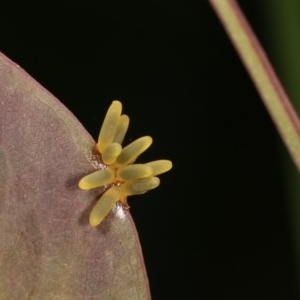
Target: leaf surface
(47, 248)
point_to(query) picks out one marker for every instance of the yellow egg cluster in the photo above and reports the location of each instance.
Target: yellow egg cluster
(123, 176)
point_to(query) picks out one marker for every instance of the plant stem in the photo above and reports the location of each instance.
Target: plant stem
(262, 74)
(282, 24)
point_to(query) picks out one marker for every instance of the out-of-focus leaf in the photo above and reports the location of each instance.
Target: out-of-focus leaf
(47, 248)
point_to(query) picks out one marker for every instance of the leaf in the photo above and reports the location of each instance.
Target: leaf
(47, 248)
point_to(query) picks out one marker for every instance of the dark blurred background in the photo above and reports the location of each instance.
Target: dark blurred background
(219, 227)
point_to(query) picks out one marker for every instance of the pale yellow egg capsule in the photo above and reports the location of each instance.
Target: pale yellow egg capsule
(160, 166)
(121, 129)
(130, 153)
(96, 179)
(140, 186)
(111, 152)
(109, 126)
(104, 205)
(133, 172)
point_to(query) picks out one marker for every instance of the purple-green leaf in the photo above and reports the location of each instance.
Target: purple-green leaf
(47, 248)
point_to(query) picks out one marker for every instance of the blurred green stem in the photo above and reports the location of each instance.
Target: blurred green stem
(283, 28)
(265, 79)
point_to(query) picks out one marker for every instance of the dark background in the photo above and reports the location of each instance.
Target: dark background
(218, 227)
